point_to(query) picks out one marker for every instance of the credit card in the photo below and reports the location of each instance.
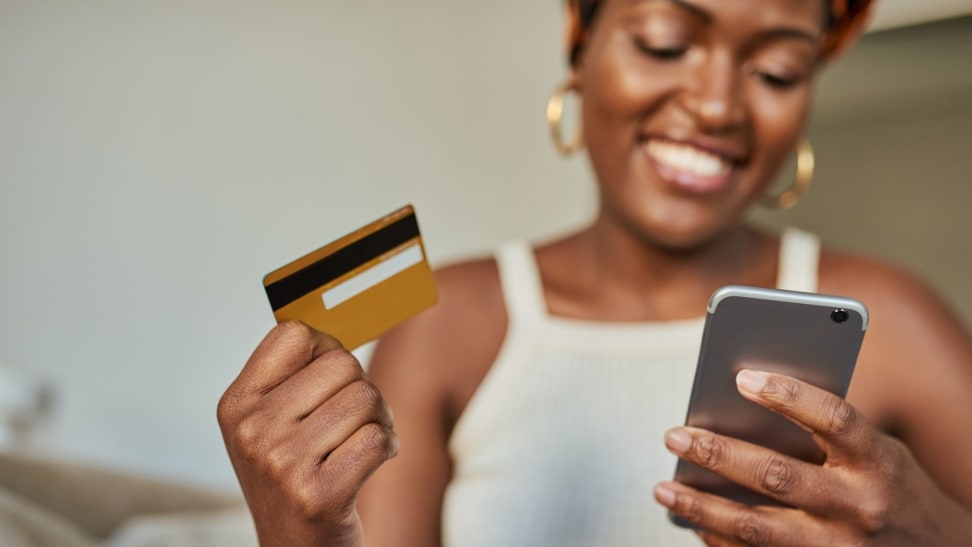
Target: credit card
(359, 286)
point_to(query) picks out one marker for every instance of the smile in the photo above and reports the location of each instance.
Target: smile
(688, 167)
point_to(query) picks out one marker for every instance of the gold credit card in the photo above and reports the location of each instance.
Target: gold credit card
(359, 286)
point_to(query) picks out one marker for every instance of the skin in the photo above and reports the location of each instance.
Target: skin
(306, 428)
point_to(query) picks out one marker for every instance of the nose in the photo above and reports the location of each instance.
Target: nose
(713, 95)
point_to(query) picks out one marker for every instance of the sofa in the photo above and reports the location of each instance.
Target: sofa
(50, 503)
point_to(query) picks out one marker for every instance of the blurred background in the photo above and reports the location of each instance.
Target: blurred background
(158, 158)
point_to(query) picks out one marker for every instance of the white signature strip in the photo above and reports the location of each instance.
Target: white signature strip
(374, 275)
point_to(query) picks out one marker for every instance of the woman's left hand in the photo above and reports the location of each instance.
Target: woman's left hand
(868, 491)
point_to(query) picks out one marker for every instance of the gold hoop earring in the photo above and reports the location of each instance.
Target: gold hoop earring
(804, 176)
(555, 114)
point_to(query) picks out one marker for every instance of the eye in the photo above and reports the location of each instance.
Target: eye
(672, 53)
(776, 81)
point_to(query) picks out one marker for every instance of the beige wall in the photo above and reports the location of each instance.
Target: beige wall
(899, 190)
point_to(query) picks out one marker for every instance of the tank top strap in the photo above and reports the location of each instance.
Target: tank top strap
(799, 261)
(520, 280)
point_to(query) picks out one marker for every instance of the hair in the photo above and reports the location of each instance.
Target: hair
(843, 21)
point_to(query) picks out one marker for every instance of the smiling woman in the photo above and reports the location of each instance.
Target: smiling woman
(728, 95)
(533, 403)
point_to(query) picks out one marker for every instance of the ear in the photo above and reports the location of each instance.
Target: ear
(575, 36)
(848, 29)
(573, 31)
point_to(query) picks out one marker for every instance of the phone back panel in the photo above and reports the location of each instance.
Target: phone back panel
(785, 332)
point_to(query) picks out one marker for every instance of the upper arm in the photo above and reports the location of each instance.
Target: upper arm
(420, 367)
(915, 371)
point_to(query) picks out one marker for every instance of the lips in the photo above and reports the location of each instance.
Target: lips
(688, 167)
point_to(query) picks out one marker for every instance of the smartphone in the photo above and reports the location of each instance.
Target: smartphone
(812, 337)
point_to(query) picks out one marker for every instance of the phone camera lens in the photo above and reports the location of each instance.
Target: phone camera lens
(840, 316)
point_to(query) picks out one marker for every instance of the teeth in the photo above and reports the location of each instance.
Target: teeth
(687, 158)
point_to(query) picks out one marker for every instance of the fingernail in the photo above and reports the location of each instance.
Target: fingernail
(751, 381)
(665, 495)
(677, 440)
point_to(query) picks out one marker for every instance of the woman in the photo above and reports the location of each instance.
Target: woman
(532, 402)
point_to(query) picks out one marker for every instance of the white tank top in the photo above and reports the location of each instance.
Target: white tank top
(562, 443)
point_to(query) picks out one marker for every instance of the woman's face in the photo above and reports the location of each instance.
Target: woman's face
(691, 106)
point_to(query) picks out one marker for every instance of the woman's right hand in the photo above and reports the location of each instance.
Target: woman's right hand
(304, 428)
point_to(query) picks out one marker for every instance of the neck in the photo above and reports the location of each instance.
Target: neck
(639, 279)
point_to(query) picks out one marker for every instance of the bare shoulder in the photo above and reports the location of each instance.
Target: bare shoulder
(914, 374)
(900, 302)
(469, 295)
(451, 344)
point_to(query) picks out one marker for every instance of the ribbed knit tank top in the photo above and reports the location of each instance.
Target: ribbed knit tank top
(562, 443)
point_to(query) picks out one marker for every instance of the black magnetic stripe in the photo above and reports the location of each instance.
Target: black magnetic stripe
(333, 266)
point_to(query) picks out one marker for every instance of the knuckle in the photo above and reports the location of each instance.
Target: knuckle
(226, 411)
(790, 393)
(891, 459)
(873, 515)
(841, 418)
(300, 334)
(690, 508)
(784, 393)
(333, 371)
(376, 439)
(327, 341)
(365, 394)
(343, 365)
(874, 509)
(309, 503)
(291, 331)
(777, 476)
(749, 529)
(280, 463)
(711, 451)
(250, 435)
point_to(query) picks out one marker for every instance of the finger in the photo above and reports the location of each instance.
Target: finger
(761, 525)
(298, 396)
(349, 465)
(300, 450)
(288, 348)
(837, 427)
(334, 422)
(758, 468)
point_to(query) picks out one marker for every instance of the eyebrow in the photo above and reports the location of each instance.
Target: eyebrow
(695, 10)
(788, 32)
(777, 33)
(692, 8)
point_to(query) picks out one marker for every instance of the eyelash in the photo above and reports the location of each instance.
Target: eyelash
(662, 54)
(776, 81)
